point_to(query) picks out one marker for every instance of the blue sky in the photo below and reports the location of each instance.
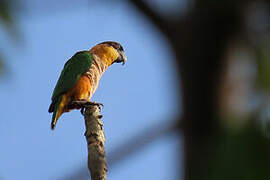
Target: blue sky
(136, 96)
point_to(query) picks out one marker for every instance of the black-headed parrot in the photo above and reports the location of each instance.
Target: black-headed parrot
(80, 76)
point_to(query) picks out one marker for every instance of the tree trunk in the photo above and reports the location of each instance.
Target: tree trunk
(95, 140)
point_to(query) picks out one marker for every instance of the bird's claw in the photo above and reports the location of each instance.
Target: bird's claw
(82, 110)
(94, 104)
(82, 104)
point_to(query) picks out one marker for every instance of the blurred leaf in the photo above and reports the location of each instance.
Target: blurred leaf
(267, 127)
(8, 23)
(243, 154)
(263, 62)
(2, 66)
(5, 12)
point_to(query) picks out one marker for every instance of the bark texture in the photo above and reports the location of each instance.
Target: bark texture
(95, 140)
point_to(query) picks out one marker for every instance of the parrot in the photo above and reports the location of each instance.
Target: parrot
(80, 77)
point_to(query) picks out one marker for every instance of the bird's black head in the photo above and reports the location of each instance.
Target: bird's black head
(122, 58)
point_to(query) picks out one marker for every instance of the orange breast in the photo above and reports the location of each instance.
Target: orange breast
(81, 90)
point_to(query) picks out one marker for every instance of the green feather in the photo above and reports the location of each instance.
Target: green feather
(73, 69)
(54, 120)
(71, 73)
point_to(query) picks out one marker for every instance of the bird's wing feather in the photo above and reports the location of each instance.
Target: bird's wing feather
(73, 69)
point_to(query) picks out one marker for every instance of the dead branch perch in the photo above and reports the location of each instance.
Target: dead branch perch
(95, 140)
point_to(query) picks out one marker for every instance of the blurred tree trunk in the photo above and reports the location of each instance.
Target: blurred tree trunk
(199, 43)
(201, 61)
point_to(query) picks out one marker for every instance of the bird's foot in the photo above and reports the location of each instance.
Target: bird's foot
(82, 104)
(89, 103)
(77, 104)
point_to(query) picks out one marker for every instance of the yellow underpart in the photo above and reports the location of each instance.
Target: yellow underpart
(106, 53)
(80, 91)
(61, 107)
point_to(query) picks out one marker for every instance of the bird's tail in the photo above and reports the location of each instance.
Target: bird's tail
(58, 110)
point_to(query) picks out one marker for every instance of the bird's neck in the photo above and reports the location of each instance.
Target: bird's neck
(105, 53)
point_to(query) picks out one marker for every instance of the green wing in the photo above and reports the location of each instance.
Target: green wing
(73, 69)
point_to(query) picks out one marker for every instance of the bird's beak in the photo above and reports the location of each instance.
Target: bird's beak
(122, 58)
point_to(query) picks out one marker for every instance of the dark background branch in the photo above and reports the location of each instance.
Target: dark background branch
(132, 146)
(163, 24)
